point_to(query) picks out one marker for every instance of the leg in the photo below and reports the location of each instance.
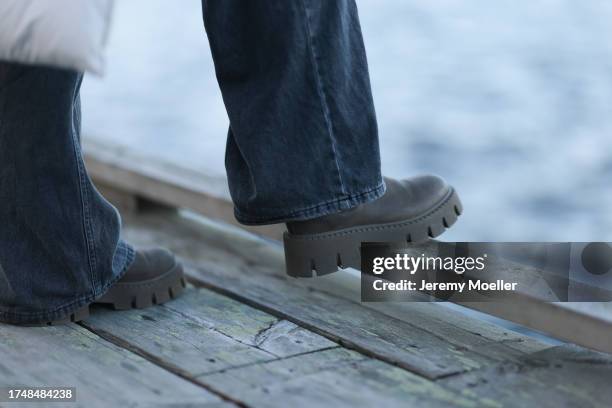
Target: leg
(303, 144)
(303, 137)
(59, 239)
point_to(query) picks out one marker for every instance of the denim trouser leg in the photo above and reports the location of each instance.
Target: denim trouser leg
(59, 239)
(303, 137)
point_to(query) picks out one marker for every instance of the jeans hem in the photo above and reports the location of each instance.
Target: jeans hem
(65, 309)
(314, 211)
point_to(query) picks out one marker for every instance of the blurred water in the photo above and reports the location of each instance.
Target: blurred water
(510, 101)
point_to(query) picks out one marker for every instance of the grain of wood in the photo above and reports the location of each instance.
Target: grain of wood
(563, 376)
(260, 360)
(250, 269)
(334, 378)
(195, 333)
(104, 375)
(248, 325)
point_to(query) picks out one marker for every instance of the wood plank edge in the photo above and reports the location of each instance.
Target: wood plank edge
(165, 183)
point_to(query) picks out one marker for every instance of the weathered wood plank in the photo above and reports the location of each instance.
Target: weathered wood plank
(564, 376)
(334, 378)
(259, 360)
(104, 375)
(205, 332)
(586, 323)
(247, 325)
(370, 332)
(251, 270)
(434, 317)
(248, 252)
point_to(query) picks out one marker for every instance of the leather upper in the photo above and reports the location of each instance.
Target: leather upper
(403, 200)
(149, 264)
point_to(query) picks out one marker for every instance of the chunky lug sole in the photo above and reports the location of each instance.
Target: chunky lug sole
(132, 295)
(138, 295)
(308, 255)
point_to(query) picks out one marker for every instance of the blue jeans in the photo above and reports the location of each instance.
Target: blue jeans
(302, 143)
(59, 238)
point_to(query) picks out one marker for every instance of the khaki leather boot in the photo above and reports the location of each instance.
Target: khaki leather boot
(411, 210)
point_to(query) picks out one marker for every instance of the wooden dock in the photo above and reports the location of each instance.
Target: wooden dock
(245, 334)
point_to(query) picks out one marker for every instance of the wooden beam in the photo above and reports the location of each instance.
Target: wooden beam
(127, 176)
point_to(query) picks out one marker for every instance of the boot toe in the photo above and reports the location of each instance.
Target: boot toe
(432, 188)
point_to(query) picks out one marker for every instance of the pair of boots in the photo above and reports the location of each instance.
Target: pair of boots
(413, 210)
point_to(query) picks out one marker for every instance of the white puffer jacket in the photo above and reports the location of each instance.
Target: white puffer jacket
(64, 33)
